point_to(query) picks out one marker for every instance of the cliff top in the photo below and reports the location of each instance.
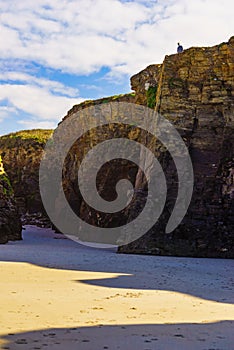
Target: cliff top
(36, 135)
(129, 97)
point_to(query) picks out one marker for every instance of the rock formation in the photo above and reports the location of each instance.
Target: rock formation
(21, 153)
(193, 90)
(10, 224)
(78, 152)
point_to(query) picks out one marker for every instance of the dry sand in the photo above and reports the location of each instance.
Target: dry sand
(58, 294)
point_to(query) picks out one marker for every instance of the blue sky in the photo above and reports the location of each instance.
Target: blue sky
(57, 53)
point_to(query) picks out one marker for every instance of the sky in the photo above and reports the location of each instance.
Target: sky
(57, 53)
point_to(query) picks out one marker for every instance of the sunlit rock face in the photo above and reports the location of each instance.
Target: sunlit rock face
(194, 90)
(10, 224)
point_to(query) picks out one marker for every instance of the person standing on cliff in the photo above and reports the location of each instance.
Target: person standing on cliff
(180, 48)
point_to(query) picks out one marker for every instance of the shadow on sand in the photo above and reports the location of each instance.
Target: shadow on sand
(210, 279)
(209, 336)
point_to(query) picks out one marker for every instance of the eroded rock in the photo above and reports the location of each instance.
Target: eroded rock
(195, 92)
(21, 153)
(10, 224)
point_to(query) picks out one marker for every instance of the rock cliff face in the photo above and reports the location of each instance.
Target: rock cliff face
(193, 90)
(21, 153)
(10, 224)
(89, 103)
(107, 176)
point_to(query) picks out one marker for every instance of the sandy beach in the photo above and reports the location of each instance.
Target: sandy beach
(58, 294)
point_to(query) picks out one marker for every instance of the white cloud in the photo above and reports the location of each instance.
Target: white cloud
(36, 101)
(46, 101)
(51, 85)
(36, 124)
(75, 38)
(80, 37)
(5, 111)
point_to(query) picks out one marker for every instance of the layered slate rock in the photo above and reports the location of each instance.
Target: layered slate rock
(108, 176)
(130, 98)
(194, 90)
(22, 152)
(10, 224)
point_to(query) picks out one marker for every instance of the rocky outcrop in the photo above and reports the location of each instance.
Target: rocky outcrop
(10, 224)
(194, 90)
(89, 103)
(107, 176)
(21, 153)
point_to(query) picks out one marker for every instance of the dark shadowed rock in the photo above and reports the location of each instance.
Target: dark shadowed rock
(21, 153)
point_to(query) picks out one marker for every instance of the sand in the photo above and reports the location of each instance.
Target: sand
(58, 294)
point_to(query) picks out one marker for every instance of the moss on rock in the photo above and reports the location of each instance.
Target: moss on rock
(10, 224)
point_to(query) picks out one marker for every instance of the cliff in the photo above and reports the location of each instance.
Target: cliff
(130, 98)
(107, 176)
(10, 224)
(194, 91)
(21, 153)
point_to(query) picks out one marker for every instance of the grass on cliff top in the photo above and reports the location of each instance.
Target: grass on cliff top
(37, 135)
(88, 103)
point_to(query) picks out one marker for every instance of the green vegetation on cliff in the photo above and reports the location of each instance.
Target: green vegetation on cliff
(129, 97)
(16, 138)
(21, 153)
(5, 184)
(151, 96)
(10, 224)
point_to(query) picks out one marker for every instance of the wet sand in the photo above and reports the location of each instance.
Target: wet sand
(58, 294)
